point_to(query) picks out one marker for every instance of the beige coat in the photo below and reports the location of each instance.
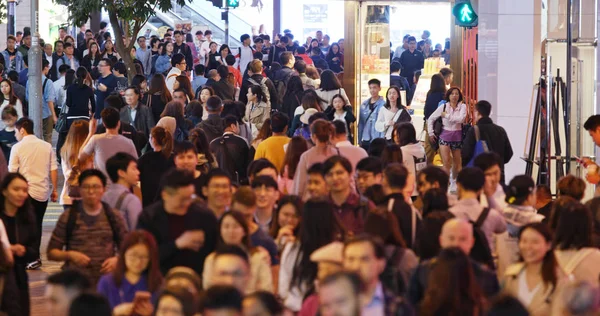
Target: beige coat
(256, 115)
(546, 302)
(580, 265)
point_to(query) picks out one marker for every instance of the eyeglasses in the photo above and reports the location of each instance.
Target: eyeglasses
(94, 187)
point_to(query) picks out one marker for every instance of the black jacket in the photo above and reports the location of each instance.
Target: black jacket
(258, 78)
(411, 62)
(79, 100)
(185, 50)
(92, 67)
(144, 120)
(152, 166)
(406, 215)
(224, 90)
(487, 280)
(233, 155)
(350, 118)
(155, 220)
(212, 127)
(496, 139)
(53, 70)
(432, 102)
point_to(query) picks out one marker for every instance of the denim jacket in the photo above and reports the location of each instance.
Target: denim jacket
(18, 61)
(163, 64)
(366, 123)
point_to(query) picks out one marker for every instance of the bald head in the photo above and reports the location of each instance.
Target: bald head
(457, 233)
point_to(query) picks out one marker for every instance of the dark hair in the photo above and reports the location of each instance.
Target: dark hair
(279, 121)
(574, 229)
(286, 57)
(214, 104)
(300, 66)
(471, 179)
(110, 117)
(65, 46)
(505, 304)
(340, 128)
(71, 279)
(452, 287)
(300, 50)
(370, 164)
(445, 72)
(399, 104)
(322, 130)
(329, 81)
(158, 85)
(519, 189)
(114, 101)
(137, 81)
(9, 110)
(412, 39)
(197, 136)
(13, 75)
(216, 173)
(223, 71)
(240, 218)
(25, 213)
(549, 263)
(135, 90)
(395, 66)
(230, 60)
(435, 200)
(592, 123)
(561, 205)
(120, 161)
(437, 84)
(199, 70)
(177, 59)
(449, 92)
(81, 74)
(391, 153)
(194, 108)
(175, 179)
(233, 250)
(89, 173)
(266, 181)
(405, 133)
(12, 98)
(183, 296)
(396, 175)
(484, 108)
(258, 92)
(315, 168)
(428, 240)
(376, 147)
(298, 204)
(333, 161)
(219, 297)
(319, 227)
(245, 196)
(90, 304)
(485, 161)
(184, 147)
(25, 123)
(175, 110)
(63, 68)
(120, 67)
(259, 165)
(163, 138)
(152, 272)
(296, 147)
(268, 300)
(385, 226)
(572, 186)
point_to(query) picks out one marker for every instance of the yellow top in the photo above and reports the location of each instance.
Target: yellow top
(272, 149)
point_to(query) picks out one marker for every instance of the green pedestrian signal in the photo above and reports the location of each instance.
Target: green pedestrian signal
(464, 13)
(233, 3)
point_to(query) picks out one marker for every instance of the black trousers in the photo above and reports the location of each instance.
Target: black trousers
(40, 210)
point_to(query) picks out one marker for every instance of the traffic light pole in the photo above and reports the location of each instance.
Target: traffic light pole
(11, 25)
(226, 19)
(34, 76)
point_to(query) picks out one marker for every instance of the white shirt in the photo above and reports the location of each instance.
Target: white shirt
(34, 159)
(525, 295)
(246, 56)
(60, 92)
(171, 76)
(133, 112)
(453, 120)
(383, 118)
(205, 48)
(18, 107)
(49, 59)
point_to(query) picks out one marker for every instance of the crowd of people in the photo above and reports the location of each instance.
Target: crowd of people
(245, 195)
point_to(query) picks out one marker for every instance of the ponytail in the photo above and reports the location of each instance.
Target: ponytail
(163, 138)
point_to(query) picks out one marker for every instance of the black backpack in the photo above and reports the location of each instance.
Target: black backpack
(71, 221)
(481, 251)
(391, 276)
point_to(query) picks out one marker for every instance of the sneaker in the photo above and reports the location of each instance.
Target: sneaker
(452, 189)
(34, 265)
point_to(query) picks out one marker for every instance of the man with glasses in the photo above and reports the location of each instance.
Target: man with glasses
(107, 83)
(87, 235)
(179, 65)
(36, 161)
(185, 232)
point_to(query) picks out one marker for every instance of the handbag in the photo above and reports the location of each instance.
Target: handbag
(438, 125)
(61, 123)
(72, 183)
(481, 146)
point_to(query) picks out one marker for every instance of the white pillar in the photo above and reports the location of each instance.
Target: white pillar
(509, 63)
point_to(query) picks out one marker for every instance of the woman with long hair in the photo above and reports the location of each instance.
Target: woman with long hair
(453, 114)
(69, 154)
(335, 58)
(293, 95)
(297, 272)
(413, 152)
(264, 133)
(109, 51)
(452, 288)
(205, 93)
(183, 82)
(401, 260)
(392, 153)
(342, 111)
(155, 54)
(175, 109)
(153, 164)
(536, 280)
(206, 159)
(521, 199)
(224, 51)
(330, 86)
(233, 230)
(286, 220)
(212, 57)
(574, 249)
(392, 113)
(435, 96)
(257, 109)
(296, 147)
(194, 112)
(92, 59)
(81, 100)
(427, 244)
(19, 220)
(163, 62)
(137, 270)
(310, 100)
(159, 96)
(8, 97)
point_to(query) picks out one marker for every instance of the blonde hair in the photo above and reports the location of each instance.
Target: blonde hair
(78, 132)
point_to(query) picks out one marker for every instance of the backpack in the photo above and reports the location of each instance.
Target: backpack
(71, 221)
(481, 249)
(281, 85)
(263, 87)
(180, 135)
(391, 277)
(481, 146)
